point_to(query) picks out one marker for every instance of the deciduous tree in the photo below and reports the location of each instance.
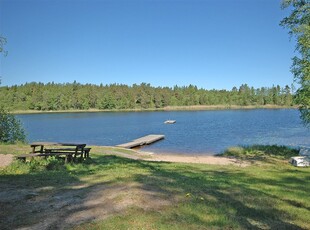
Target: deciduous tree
(298, 23)
(11, 129)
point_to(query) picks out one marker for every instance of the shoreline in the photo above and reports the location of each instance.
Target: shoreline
(198, 159)
(168, 108)
(7, 159)
(173, 158)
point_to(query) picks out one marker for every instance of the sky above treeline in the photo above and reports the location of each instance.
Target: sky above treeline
(213, 44)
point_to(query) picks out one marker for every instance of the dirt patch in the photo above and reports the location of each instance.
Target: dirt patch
(5, 159)
(46, 208)
(104, 201)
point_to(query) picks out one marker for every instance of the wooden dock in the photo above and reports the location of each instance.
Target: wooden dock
(146, 140)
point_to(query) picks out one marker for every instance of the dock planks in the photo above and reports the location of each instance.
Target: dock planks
(146, 140)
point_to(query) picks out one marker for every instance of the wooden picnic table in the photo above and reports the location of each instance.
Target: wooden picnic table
(34, 145)
(69, 150)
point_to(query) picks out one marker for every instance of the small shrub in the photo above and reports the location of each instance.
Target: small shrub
(11, 129)
(35, 165)
(234, 151)
(54, 163)
(261, 151)
(274, 150)
(17, 167)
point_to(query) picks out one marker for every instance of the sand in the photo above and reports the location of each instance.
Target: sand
(5, 159)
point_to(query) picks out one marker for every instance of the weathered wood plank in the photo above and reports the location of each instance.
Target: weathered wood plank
(146, 140)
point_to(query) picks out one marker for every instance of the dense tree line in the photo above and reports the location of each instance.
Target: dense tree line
(68, 96)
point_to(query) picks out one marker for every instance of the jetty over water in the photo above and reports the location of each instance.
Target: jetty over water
(146, 140)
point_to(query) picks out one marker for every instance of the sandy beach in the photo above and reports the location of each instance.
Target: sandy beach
(216, 160)
(6, 159)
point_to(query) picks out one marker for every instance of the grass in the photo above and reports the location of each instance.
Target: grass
(19, 148)
(158, 195)
(266, 153)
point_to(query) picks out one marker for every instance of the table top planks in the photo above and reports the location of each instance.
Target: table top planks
(55, 144)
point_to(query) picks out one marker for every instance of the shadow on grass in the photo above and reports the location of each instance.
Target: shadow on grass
(229, 192)
(48, 199)
(18, 196)
(202, 196)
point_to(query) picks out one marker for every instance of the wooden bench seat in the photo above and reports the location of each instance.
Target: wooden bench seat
(24, 156)
(71, 153)
(61, 149)
(68, 156)
(64, 150)
(72, 150)
(75, 152)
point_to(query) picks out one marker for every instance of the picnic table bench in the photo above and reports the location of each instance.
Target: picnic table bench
(69, 150)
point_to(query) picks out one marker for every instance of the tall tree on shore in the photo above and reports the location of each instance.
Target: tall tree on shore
(298, 23)
(11, 129)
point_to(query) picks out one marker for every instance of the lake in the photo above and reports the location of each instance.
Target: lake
(195, 132)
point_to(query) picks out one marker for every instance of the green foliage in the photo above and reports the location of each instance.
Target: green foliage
(298, 23)
(35, 165)
(53, 163)
(261, 152)
(17, 167)
(11, 129)
(75, 96)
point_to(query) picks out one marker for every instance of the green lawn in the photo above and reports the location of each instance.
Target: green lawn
(111, 192)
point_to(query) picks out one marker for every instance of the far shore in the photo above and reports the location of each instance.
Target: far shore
(168, 108)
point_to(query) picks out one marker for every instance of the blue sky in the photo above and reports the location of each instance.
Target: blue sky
(209, 43)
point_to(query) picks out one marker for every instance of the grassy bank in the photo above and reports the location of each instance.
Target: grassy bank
(168, 108)
(112, 192)
(266, 153)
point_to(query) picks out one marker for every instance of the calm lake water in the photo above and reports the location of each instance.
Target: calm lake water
(195, 132)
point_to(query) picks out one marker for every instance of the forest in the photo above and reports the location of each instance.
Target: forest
(75, 96)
